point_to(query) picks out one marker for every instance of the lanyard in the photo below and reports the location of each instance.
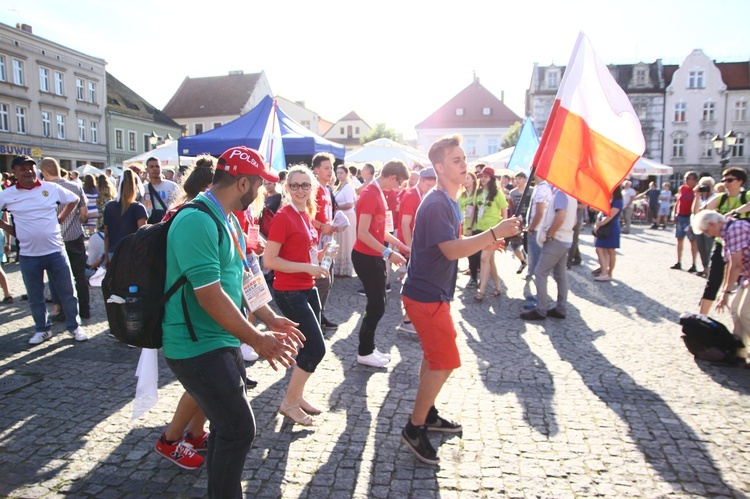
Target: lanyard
(309, 226)
(232, 230)
(382, 194)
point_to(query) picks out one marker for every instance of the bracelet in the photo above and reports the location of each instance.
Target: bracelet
(493, 234)
(387, 253)
(727, 292)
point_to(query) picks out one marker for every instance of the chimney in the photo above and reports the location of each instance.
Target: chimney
(236, 72)
(476, 78)
(300, 103)
(25, 27)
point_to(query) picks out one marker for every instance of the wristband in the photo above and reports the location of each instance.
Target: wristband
(387, 253)
(493, 234)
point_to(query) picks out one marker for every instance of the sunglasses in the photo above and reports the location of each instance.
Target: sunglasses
(728, 179)
(305, 186)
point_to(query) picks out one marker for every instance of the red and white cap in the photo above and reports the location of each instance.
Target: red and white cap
(245, 161)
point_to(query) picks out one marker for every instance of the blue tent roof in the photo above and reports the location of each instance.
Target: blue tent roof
(247, 130)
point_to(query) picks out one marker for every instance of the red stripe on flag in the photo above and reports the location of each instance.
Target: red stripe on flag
(580, 161)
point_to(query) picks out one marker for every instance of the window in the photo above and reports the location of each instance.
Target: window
(21, 119)
(695, 79)
(17, 72)
(81, 130)
(492, 146)
(709, 111)
(341, 131)
(92, 92)
(553, 78)
(349, 132)
(471, 147)
(183, 132)
(217, 124)
(486, 111)
(147, 142)
(46, 124)
(740, 110)
(641, 109)
(680, 109)
(94, 129)
(305, 123)
(641, 77)
(118, 139)
(61, 127)
(79, 89)
(738, 149)
(707, 146)
(356, 131)
(4, 118)
(678, 147)
(2, 69)
(59, 83)
(460, 111)
(44, 79)
(131, 141)
(198, 128)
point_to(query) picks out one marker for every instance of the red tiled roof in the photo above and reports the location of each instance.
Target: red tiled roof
(669, 70)
(473, 99)
(736, 75)
(212, 96)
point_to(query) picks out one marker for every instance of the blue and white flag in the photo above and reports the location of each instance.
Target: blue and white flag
(270, 145)
(523, 154)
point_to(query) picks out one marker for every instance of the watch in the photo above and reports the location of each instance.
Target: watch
(387, 253)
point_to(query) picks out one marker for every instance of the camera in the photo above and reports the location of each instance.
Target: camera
(704, 188)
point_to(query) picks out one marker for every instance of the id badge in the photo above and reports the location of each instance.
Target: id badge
(253, 235)
(481, 212)
(469, 211)
(255, 289)
(313, 255)
(388, 221)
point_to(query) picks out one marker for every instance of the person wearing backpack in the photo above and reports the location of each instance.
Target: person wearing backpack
(211, 369)
(160, 193)
(733, 179)
(736, 237)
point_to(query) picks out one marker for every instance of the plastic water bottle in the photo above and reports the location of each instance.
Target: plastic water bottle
(328, 257)
(133, 311)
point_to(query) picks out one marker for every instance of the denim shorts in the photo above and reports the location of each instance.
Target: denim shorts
(682, 228)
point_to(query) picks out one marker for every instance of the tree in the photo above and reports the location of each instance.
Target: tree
(511, 136)
(380, 131)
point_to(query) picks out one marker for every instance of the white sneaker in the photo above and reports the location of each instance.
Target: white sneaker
(248, 353)
(40, 337)
(78, 334)
(382, 355)
(602, 278)
(406, 328)
(372, 360)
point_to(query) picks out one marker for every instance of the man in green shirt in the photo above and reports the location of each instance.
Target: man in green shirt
(212, 369)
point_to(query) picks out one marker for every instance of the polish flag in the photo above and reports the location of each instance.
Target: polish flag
(593, 136)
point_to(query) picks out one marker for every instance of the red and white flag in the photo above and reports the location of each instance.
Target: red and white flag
(593, 136)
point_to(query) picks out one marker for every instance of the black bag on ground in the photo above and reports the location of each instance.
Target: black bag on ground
(140, 260)
(709, 339)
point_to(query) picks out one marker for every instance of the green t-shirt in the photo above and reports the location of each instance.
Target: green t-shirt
(464, 200)
(193, 250)
(491, 215)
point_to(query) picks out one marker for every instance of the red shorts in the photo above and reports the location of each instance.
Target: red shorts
(434, 326)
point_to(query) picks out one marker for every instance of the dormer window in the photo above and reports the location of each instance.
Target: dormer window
(695, 79)
(486, 111)
(641, 77)
(459, 111)
(552, 77)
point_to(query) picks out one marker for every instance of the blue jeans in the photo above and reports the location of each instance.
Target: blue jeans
(60, 277)
(216, 380)
(303, 307)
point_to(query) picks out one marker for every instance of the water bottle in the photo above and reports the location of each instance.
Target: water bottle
(133, 311)
(328, 257)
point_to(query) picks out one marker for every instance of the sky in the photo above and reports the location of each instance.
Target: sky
(393, 62)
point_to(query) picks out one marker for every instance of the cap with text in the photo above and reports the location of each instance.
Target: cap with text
(245, 161)
(22, 160)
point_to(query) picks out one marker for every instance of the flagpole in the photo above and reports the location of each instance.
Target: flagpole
(273, 130)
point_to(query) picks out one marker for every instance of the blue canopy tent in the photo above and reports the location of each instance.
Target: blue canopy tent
(300, 144)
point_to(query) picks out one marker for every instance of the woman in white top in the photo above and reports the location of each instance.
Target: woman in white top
(345, 199)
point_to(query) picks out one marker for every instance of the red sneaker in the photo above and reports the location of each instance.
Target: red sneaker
(179, 453)
(199, 444)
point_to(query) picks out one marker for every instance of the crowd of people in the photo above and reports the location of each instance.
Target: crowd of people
(302, 228)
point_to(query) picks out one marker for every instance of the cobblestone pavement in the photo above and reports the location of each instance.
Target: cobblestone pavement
(605, 403)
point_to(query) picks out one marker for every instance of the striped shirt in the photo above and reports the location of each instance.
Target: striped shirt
(736, 235)
(71, 226)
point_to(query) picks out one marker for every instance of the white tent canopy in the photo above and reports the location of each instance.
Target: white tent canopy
(166, 153)
(645, 167)
(87, 169)
(498, 160)
(383, 150)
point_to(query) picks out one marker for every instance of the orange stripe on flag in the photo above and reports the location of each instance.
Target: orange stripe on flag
(580, 161)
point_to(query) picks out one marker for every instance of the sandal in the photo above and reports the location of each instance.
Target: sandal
(596, 272)
(296, 414)
(479, 296)
(495, 293)
(308, 408)
(8, 299)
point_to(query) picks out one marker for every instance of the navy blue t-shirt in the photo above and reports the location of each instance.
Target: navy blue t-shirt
(119, 226)
(431, 277)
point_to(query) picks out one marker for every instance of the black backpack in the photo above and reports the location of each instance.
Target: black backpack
(141, 260)
(709, 339)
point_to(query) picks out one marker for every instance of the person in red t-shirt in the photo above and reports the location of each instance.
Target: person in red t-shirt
(408, 213)
(323, 168)
(369, 255)
(683, 208)
(292, 252)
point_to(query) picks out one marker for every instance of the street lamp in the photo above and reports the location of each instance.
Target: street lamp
(153, 139)
(723, 146)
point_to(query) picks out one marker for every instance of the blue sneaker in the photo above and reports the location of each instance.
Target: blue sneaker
(530, 303)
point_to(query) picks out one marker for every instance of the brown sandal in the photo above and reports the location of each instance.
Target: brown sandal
(309, 408)
(296, 414)
(479, 296)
